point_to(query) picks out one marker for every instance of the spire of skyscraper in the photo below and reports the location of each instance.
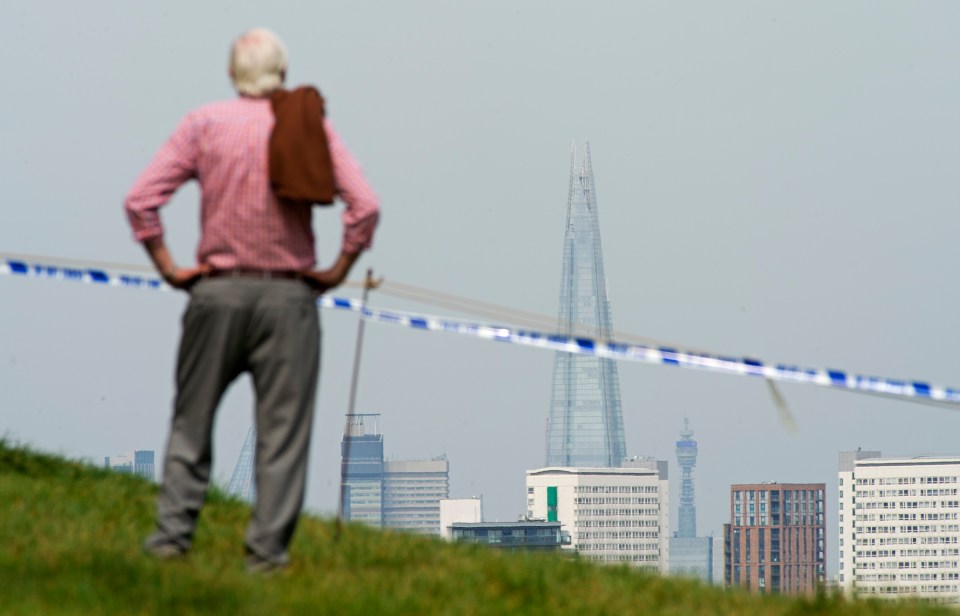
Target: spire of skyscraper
(242, 483)
(586, 422)
(687, 459)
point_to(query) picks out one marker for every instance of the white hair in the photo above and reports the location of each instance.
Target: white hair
(258, 62)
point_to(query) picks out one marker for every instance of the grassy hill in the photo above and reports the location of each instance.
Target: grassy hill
(70, 544)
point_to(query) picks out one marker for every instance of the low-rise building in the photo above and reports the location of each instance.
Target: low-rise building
(536, 535)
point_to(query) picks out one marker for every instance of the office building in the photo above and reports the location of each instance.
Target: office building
(613, 515)
(140, 462)
(775, 542)
(585, 426)
(899, 527)
(692, 557)
(398, 494)
(412, 491)
(530, 535)
(361, 459)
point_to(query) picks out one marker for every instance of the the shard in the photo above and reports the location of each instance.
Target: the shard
(243, 483)
(586, 422)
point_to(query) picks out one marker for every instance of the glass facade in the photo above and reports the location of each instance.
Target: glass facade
(692, 557)
(512, 535)
(586, 422)
(362, 471)
(242, 482)
(398, 494)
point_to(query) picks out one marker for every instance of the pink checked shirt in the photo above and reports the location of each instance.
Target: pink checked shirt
(224, 146)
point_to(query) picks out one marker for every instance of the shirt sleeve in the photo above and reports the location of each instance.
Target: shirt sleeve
(362, 206)
(174, 164)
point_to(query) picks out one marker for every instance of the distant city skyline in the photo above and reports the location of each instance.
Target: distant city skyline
(752, 185)
(138, 462)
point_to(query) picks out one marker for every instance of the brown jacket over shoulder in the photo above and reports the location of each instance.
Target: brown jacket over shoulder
(301, 170)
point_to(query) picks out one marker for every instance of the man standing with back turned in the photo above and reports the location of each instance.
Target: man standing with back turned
(252, 297)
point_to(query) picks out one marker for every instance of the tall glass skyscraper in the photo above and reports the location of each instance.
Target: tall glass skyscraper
(242, 482)
(361, 459)
(586, 421)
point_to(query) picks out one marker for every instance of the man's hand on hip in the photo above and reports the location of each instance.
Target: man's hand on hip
(184, 277)
(324, 280)
(177, 277)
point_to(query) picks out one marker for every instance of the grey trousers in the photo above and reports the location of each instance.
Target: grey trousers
(270, 328)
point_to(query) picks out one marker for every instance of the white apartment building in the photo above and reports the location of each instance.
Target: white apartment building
(614, 515)
(899, 526)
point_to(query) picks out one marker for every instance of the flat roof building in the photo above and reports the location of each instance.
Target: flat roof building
(899, 526)
(775, 542)
(535, 535)
(613, 515)
(412, 491)
(463, 510)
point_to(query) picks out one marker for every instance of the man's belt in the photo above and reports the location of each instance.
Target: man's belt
(249, 272)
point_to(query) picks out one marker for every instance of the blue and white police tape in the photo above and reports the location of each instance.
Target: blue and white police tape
(918, 391)
(666, 356)
(91, 275)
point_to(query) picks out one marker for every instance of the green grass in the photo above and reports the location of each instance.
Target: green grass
(70, 544)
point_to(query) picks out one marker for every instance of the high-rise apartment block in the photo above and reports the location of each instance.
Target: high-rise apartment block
(399, 494)
(899, 526)
(140, 462)
(775, 542)
(846, 516)
(586, 423)
(412, 491)
(613, 515)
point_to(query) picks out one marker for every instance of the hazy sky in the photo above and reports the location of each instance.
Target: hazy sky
(774, 180)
